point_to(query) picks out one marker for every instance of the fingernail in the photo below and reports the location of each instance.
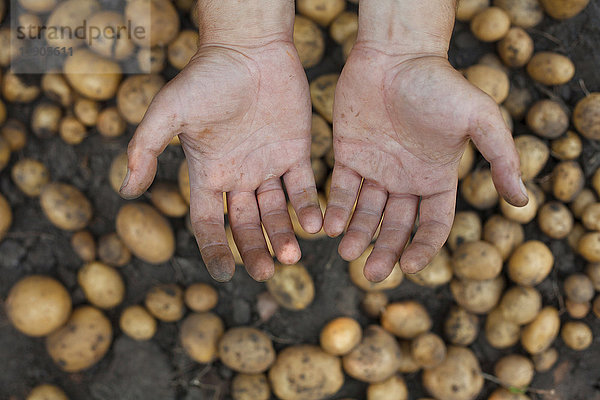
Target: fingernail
(125, 181)
(523, 188)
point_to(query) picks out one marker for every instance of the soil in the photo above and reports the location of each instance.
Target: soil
(159, 369)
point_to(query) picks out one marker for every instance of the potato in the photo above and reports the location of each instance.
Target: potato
(555, 220)
(567, 180)
(373, 304)
(518, 101)
(321, 11)
(69, 13)
(522, 13)
(516, 48)
(46, 392)
(84, 246)
(438, 272)
(247, 350)
(158, 17)
(375, 359)
(492, 81)
(201, 297)
(38, 305)
(355, 269)
(30, 176)
(87, 111)
(588, 246)
(593, 272)
(596, 306)
(428, 350)
(503, 233)
(135, 94)
(82, 342)
(343, 26)
(117, 171)
(137, 323)
(568, 147)
(478, 189)
(492, 60)
(522, 215)
(14, 133)
(408, 364)
(340, 336)
(181, 50)
(577, 335)
(151, 60)
(530, 263)
(577, 310)
(465, 228)
(506, 394)
(520, 304)
(547, 119)
(71, 130)
(57, 89)
(514, 370)
(91, 75)
(550, 68)
(545, 360)
(591, 216)
(477, 260)
(458, 377)
(501, 333)
(393, 388)
(322, 137)
(250, 387)
(110, 124)
(304, 372)
(112, 43)
(466, 161)
(322, 90)
(586, 116)
(561, 9)
(491, 24)
(292, 286)
(579, 288)
(45, 120)
(200, 334)
(539, 334)
(467, 9)
(406, 319)
(477, 297)
(168, 200)
(16, 90)
(146, 233)
(165, 302)
(102, 285)
(309, 41)
(65, 206)
(461, 327)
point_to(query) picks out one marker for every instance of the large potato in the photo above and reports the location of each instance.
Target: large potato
(586, 116)
(428, 350)
(145, 232)
(71, 14)
(356, 267)
(65, 206)
(500, 332)
(158, 18)
(477, 297)
(309, 41)
(321, 11)
(514, 370)
(520, 304)
(135, 94)
(530, 263)
(247, 350)
(406, 319)
(503, 233)
(492, 81)
(491, 24)
(563, 9)
(305, 372)
(461, 327)
(82, 342)
(340, 336)
(567, 180)
(322, 90)
(30, 176)
(478, 189)
(577, 335)
(250, 387)
(516, 48)
(93, 76)
(137, 323)
(522, 13)
(550, 68)
(438, 272)
(101, 284)
(201, 297)
(200, 334)
(165, 302)
(465, 228)
(477, 260)
(548, 119)
(393, 388)
(292, 286)
(539, 334)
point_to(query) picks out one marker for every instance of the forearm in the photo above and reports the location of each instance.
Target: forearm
(245, 22)
(407, 26)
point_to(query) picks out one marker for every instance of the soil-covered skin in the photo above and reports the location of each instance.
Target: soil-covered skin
(159, 369)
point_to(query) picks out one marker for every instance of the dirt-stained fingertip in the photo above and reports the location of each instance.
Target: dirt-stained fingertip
(221, 268)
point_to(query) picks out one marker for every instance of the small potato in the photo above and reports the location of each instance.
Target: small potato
(146, 233)
(373, 304)
(406, 319)
(14, 134)
(503, 233)
(181, 50)
(292, 286)
(514, 370)
(477, 297)
(91, 75)
(165, 302)
(467, 9)
(250, 387)
(323, 12)
(57, 89)
(438, 272)
(151, 60)
(505, 394)
(5, 216)
(539, 334)
(545, 360)
(322, 137)
(355, 269)
(577, 310)
(477, 260)
(158, 17)
(309, 41)
(200, 334)
(112, 44)
(555, 220)
(520, 304)
(71, 130)
(547, 119)
(567, 180)
(428, 349)
(461, 327)
(518, 101)
(591, 217)
(478, 189)
(581, 201)
(87, 111)
(522, 13)
(466, 161)
(530, 263)
(393, 388)
(340, 336)
(102, 285)
(65, 206)
(522, 215)
(458, 377)
(82, 342)
(201, 297)
(568, 147)
(516, 48)
(588, 246)
(408, 364)
(30, 176)
(491, 24)
(561, 9)
(586, 116)
(579, 288)
(84, 245)
(46, 392)
(465, 228)
(343, 26)
(168, 200)
(45, 120)
(322, 90)
(117, 171)
(550, 68)
(376, 358)
(137, 323)
(593, 272)
(501, 333)
(492, 81)
(16, 90)
(135, 94)
(577, 335)
(247, 350)
(305, 372)
(110, 124)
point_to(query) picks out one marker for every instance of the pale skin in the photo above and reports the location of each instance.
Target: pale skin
(402, 118)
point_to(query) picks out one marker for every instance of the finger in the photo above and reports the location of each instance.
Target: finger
(495, 142)
(244, 220)
(302, 191)
(435, 220)
(206, 215)
(345, 184)
(396, 227)
(153, 134)
(365, 220)
(275, 218)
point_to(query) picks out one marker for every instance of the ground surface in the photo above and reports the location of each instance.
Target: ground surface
(159, 369)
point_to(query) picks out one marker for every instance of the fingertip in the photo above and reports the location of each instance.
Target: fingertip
(350, 247)
(376, 273)
(311, 218)
(260, 266)
(289, 252)
(334, 222)
(221, 267)
(411, 264)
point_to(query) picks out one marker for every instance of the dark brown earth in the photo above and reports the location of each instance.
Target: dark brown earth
(159, 369)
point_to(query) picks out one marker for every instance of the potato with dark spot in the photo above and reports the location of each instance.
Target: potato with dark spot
(57, 89)
(247, 350)
(465, 228)
(438, 272)
(406, 319)
(30, 176)
(478, 189)
(522, 13)
(393, 388)
(555, 220)
(492, 81)
(165, 302)
(102, 285)
(91, 75)
(322, 90)
(503, 233)
(514, 370)
(461, 327)
(547, 119)
(250, 387)
(539, 334)
(168, 200)
(530, 263)
(137, 323)
(340, 336)
(520, 304)
(477, 260)
(16, 90)
(550, 68)
(568, 147)
(501, 333)
(567, 180)
(516, 48)
(200, 334)
(477, 297)
(321, 11)
(201, 297)
(564, 9)
(586, 116)
(46, 392)
(112, 250)
(577, 335)
(309, 41)
(135, 95)
(65, 206)
(292, 286)
(151, 60)
(428, 350)
(491, 24)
